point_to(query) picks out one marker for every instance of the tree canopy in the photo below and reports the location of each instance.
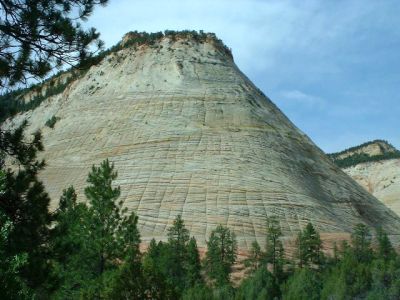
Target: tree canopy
(309, 247)
(38, 35)
(221, 254)
(89, 243)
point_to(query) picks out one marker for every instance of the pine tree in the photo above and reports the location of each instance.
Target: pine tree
(350, 278)
(361, 242)
(2, 181)
(24, 203)
(198, 292)
(178, 235)
(153, 251)
(385, 248)
(309, 247)
(154, 277)
(178, 238)
(67, 242)
(304, 284)
(38, 35)
(256, 256)
(22, 150)
(221, 254)
(113, 234)
(128, 281)
(385, 279)
(105, 215)
(103, 241)
(335, 253)
(155, 262)
(35, 37)
(176, 262)
(259, 285)
(192, 264)
(274, 251)
(12, 284)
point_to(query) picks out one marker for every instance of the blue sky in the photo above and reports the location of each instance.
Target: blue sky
(333, 67)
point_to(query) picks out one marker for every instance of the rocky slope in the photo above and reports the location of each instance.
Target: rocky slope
(373, 148)
(190, 134)
(382, 177)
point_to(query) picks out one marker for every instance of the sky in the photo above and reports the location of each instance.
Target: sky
(332, 66)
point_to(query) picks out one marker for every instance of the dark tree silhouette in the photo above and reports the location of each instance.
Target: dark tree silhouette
(38, 35)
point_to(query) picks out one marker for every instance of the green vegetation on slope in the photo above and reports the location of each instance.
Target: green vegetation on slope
(357, 158)
(363, 145)
(13, 103)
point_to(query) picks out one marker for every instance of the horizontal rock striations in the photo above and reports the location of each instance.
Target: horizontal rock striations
(190, 134)
(382, 179)
(381, 174)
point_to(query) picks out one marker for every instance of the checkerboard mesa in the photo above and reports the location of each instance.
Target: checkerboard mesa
(190, 134)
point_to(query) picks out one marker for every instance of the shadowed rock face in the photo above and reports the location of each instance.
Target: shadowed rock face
(190, 134)
(381, 179)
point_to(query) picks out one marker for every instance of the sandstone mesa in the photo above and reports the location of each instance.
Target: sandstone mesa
(190, 134)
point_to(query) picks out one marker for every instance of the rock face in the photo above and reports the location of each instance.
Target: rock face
(380, 178)
(190, 134)
(374, 148)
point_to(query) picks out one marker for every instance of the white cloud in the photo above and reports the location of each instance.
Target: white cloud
(262, 34)
(297, 97)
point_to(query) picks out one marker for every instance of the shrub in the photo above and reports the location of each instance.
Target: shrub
(52, 121)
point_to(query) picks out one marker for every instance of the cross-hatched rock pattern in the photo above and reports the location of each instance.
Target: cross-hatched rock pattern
(190, 134)
(380, 178)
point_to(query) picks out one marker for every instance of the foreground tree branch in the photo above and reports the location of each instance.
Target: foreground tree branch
(39, 35)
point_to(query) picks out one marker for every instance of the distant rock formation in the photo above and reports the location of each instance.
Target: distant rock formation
(190, 134)
(373, 148)
(380, 177)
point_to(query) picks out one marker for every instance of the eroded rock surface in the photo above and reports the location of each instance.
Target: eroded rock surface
(374, 148)
(381, 175)
(382, 179)
(190, 134)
